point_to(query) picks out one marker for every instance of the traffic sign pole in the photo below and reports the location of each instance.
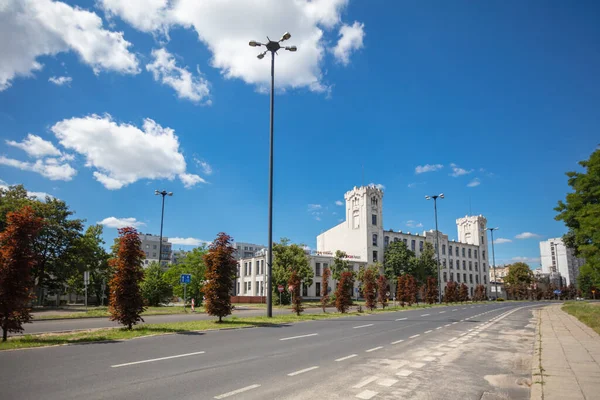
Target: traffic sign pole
(184, 288)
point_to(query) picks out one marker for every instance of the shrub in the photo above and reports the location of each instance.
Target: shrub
(343, 293)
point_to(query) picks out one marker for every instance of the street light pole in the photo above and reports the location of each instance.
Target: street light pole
(437, 240)
(494, 261)
(162, 215)
(273, 47)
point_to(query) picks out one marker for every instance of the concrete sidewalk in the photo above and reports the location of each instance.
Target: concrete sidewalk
(566, 359)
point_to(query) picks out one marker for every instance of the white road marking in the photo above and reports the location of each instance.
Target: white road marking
(441, 312)
(400, 319)
(366, 394)
(156, 359)
(453, 339)
(429, 331)
(463, 334)
(456, 309)
(387, 382)
(417, 365)
(439, 327)
(428, 359)
(365, 382)
(447, 325)
(425, 315)
(464, 308)
(373, 349)
(362, 326)
(398, 341)
(244, 389)
(347, 357)
(454, 323)
(298, 337)
(414, 336)
(437, 353)
(302, 371)
(404, 372)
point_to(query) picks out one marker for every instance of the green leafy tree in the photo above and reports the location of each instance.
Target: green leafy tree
(368, 278)
(340, 265)
(343, 293)
(382, 291)
(16, 261)
(221, 270)
(426, 264)
(288, 258)
(126, 301)
(325, 288)
(155, 289)
(581, 214)
(398, 260)
(193, 264)
(295, 283)
(518, 279)
(12, 199)
(588, 279)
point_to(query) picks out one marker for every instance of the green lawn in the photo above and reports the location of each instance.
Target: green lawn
(97, 312)
(588, 313)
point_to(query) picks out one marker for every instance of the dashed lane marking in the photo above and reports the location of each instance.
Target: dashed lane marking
(373, 349)
(414, 336)
(365, 382)
(429, 331)
(366, 394)
(387, 382)
(404, 372)
(398, 341)
(157, 359)
(362, 326)
(347, 357)
(302, 371)
(425, 315)
(244, 389)
(298, 337)
(400, 319)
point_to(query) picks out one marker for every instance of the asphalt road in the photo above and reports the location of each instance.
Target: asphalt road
(265, 362)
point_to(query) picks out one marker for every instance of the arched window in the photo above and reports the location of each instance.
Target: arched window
(374, 239)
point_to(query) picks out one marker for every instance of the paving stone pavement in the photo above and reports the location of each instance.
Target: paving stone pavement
(567, 358)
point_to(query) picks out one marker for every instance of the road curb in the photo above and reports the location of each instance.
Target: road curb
(537, 377)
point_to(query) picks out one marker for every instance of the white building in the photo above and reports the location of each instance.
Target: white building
(362, 236)
(246, 250)
(556, 257)
(150, 246)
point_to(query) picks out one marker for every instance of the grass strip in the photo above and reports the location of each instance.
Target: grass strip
(588, 313)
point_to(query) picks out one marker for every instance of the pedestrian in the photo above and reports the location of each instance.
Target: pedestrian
(193, 309)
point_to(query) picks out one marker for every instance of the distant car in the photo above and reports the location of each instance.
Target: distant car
(579, 299)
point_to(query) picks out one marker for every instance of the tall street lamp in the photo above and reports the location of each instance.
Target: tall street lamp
(162, 215)
(273, 47)
(437, 240)
(494, 261)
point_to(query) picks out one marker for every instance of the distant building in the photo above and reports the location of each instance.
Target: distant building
(545, 278)
(500, 273)
(246, 250)
(178, 255)
(150, 246)
(556, 257)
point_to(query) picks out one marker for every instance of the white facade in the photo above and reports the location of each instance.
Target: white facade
(556, 257)
(150, 246)
(246, 250)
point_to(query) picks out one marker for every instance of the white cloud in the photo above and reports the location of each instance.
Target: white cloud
(414, 224)
(339, 203)
(420, 169)
(412, 185)
(316, 211)
(377, 185)
(50, 168)
(206, 168)
(502, 240)
(190, 241)
(528, 260)
(313, 207)
(35, 146)
(226, 27)
(122, 154)
(474, 182)
(527, 235)
(351, 39)
(34, 28)
(114, 222)
(41, 196)
(457, 171)
(60, 80)
(187, 86)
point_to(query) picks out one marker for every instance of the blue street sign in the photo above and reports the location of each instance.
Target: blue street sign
(185, 278)
(355, 290)
(557, 292)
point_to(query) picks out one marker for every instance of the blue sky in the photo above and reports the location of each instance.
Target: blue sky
(504, 95)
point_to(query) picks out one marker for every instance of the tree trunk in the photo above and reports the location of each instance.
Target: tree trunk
(220, 319)
(5, 330)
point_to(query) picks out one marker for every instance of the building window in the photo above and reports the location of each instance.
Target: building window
(465, 277)
(374, 239)
(470, 278)
(456, 251)
(443, 249)
(482, 239)
(470, 266)
(483, 267)
(238, 288)
(257, 266)
(262, 267)
(374, 255)
(420, 245)
(325, 265)
(469, 253)
(238, 272)
(471, 291)
(483, 254)
(444, 263)
(250, 268)
(464, 265)
(412, 244)
(386, 241)
(374, 219)
(245, 247)
(356, 220)
(450, 249)
(153, 255)
(304, 290)
(317, 269)
(451, 276)
(154, 247)
(445, 278)
(396, 239)
(475, 253)
(457, 277)
(477, 279)
(317, 289)
(463, 252)
(476, 266)
(451, 264)
(485, 280)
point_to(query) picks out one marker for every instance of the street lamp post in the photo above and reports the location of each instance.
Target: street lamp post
(437, 240)
(162, 215)
(494, 261)
(273, 47)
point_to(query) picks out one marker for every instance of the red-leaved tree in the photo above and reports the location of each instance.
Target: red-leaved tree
(463, 293)
(343, 293)
(294, 282)
(451, 294)
(16, 260)
(126, 300)
(325, 288)
(479, 294)
(401, 289)
(221, 270)
(368, 281)
(382, 291)
(411, 290)
(431, 293)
